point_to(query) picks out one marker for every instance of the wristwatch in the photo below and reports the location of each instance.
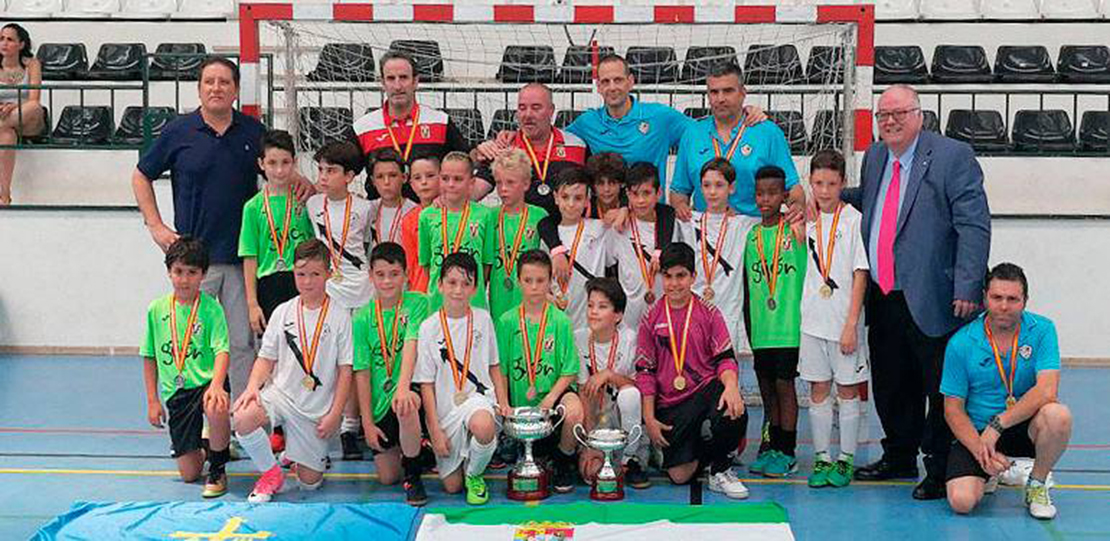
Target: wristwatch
(996, 424)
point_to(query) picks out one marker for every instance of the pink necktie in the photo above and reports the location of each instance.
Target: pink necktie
(887, 229)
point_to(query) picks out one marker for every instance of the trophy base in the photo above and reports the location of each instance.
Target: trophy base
(529, 489)
(608, 490)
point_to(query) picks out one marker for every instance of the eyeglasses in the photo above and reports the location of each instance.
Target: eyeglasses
(898, 115)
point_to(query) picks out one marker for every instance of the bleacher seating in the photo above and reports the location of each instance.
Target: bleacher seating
(1069, 9)
(772, 65)
(983, 129)
(503, 119)
(319, 125)
(950, 10)
(896, 10)
(1023, 64)
(1093, 131)
(1010, 9)
(960, 64)
(1084, 64)
(1043, 131)
(130, 130)
(63, 61)
(701, 60)
(177, 62)
(469, 122)
(347, 62)
(527, 64)
(426, 54)
(86, 9)
(794, 126)
(146, 9)
(900, 64)
(828, 131)
(578, 63)
(696, 112)
(566, 117)
(652, 65)
(119, 62)
(825, 65)
(84, 125)
(33, 9)
(206, 9)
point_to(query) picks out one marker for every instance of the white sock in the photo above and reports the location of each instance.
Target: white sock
(349, 424)
(480, 455)
(849, 425)
(310, 487)
(257, 446)
(821, 421)
(629, 406)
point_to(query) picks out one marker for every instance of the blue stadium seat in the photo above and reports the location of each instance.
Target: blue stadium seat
(469, 122)
(983, 129)
(320, 125)
(63, 61)
(119, 62)
(426, 54)
(177, 61)
(828, 131)
(346, 62)
(652, 65)
(503, 119)
(825, 65)
(961, 64)
(87, 125)
(773, 65)
(1084, 64)
(1093, 131)
(793, 126)
(696, 112)
(566, 117)
(527, 64)
(701, 60)
(1043, 131)
(578, 63)
(1023, 64)
(900, 64)
(130, 130)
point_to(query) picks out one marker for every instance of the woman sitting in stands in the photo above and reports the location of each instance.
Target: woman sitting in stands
(20, 110)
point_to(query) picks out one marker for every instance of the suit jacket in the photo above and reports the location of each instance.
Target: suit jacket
(943, 237)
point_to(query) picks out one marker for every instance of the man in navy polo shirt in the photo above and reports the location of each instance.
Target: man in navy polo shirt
(724, 134)
(212, 157)
(1000, 385)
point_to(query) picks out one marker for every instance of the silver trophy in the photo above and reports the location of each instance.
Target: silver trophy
(528, 480)
(609, 484)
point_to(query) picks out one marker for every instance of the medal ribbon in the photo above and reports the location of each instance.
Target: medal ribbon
(278, 245)
(732, 146)
(449, 249)
(540, 171)
(826, 259)
(564, 286)
(510, 259)
(649, 278)
(772, 274)
(180, 353)
(310, 352)
(532, 359)
(336, 255)
(389, 352)
(612, 352)
(711, 269)
(393, 227)
(679, 356)
(1007, 383)
(412, 132)
(456, 374)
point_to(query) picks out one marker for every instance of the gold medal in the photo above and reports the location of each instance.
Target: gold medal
(543, 189)
(649, 298)
(309, 348)
(460, 398)
(388, 349)
(532, 357)
(770, 272)
(336, 254)
(710, 268)
(679, 383)
(638, 247)
(531, 393)
(825, 291)
(180, 351)
(388, 121)
(459, 375)
(279, 242)
(541, 171)
(564, 286)
(824, 258)
(308, 383)
(508, 259)
(708, 295)
(679, 352)
(280, 264)
(449, 249)
(1010, 401)
(732, 146)
(1007, 384)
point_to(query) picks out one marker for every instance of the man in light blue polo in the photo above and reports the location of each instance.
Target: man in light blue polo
(724, 134)
(1000, 384)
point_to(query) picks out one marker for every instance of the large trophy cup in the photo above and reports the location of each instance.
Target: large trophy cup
(528, 480)
(609, 484)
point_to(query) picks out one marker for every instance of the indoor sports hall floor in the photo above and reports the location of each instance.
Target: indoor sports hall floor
(74, 428)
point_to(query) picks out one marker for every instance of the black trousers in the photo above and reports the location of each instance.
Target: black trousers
(906, 367)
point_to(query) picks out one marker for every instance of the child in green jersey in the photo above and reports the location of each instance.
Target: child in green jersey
(539, 362)
(775, 269)
(274, 223)
(382, 330)
(516, 228)
(186, 357)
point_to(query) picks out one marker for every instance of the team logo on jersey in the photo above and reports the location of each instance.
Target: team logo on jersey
(644, 127)
(474, 229)
(548, 343)
(1025, 351)
(560, 151)
(425, 131)
(746, 150)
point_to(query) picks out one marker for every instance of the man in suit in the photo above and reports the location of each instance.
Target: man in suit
(926, 226)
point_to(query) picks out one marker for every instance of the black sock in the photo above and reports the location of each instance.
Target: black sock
(411, 466)
(217, 460)
(776, 438)
(788, 441)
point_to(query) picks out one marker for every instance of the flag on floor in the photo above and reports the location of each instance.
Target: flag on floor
(587, 521)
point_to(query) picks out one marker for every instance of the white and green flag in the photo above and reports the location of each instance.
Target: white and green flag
(579, 521)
